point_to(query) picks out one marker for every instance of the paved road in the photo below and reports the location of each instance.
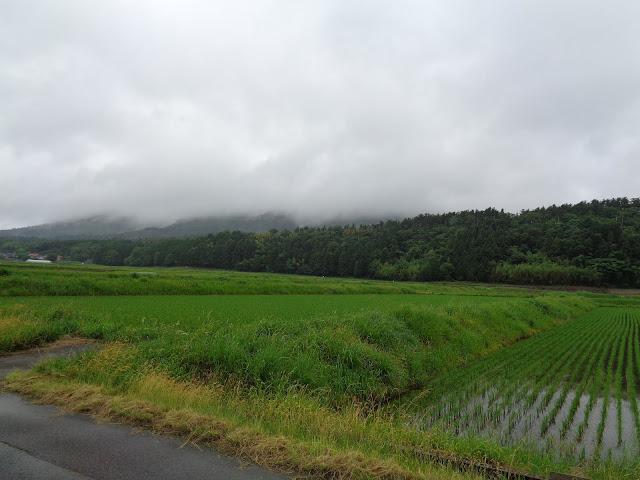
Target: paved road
(37, 442)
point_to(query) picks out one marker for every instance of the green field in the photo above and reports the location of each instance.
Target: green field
(193, 310)
(370, 346)
(572, 391)
(18, 279)
(356, 385)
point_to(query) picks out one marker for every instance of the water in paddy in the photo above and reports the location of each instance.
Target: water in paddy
(517, 421)
(573, 391)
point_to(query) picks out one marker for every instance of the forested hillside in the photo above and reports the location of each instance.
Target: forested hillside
(590, 243)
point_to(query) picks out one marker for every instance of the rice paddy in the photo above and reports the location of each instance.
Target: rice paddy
(535, 381)
(572, 391)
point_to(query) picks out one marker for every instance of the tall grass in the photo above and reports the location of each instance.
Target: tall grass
(373, 354)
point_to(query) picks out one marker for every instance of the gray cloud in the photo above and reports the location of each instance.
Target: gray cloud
(169, 109)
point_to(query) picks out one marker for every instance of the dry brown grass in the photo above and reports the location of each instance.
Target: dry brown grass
(297, 458)
(9, 323)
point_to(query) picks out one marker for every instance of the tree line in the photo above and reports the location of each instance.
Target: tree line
(590, 243)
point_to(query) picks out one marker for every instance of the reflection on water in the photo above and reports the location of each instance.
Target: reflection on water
(567, 426)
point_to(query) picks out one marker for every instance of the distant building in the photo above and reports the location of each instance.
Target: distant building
(31, 260)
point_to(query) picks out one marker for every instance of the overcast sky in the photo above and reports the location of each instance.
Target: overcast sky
(168, 109)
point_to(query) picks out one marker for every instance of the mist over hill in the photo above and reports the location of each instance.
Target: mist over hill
(110, 227)
(97, 226)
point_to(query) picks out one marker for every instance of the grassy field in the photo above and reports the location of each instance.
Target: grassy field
(19, 279)
(369, 346)
(334, 386)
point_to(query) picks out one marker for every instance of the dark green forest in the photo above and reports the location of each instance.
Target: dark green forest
(593, 243)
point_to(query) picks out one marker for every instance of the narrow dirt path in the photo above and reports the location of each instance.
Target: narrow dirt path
(40, 442)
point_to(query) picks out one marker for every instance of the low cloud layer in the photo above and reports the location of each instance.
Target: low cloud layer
(169, 109)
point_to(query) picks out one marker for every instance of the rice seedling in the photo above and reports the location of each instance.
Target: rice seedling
(633, 374)
(576, 375)
(582, 386)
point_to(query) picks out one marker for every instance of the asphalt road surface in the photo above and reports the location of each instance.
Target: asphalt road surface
(38, 442)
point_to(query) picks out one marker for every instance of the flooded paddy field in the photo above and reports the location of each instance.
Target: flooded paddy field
(571, 391)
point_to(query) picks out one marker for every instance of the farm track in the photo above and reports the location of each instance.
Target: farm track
(38, 441)
(572, 391)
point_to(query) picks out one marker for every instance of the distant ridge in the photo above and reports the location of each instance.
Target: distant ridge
(200, 226)
(107, 227)
(97, 226)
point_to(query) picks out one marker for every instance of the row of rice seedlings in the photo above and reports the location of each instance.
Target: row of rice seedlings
(625, 426)
(527, 364)
(602, 374)
(527, 393)
(500, 388)
(571, 370)
(590, 331)
(545, 355)
(591, 358)
(535, 386)
(523, 363)
(622, 356)
(545, 384)
(585, 328)
(503, 394)
(608, 381)
(596, 388)
(605, 344)
(477, 378)
(632, 379)
(587, 380)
